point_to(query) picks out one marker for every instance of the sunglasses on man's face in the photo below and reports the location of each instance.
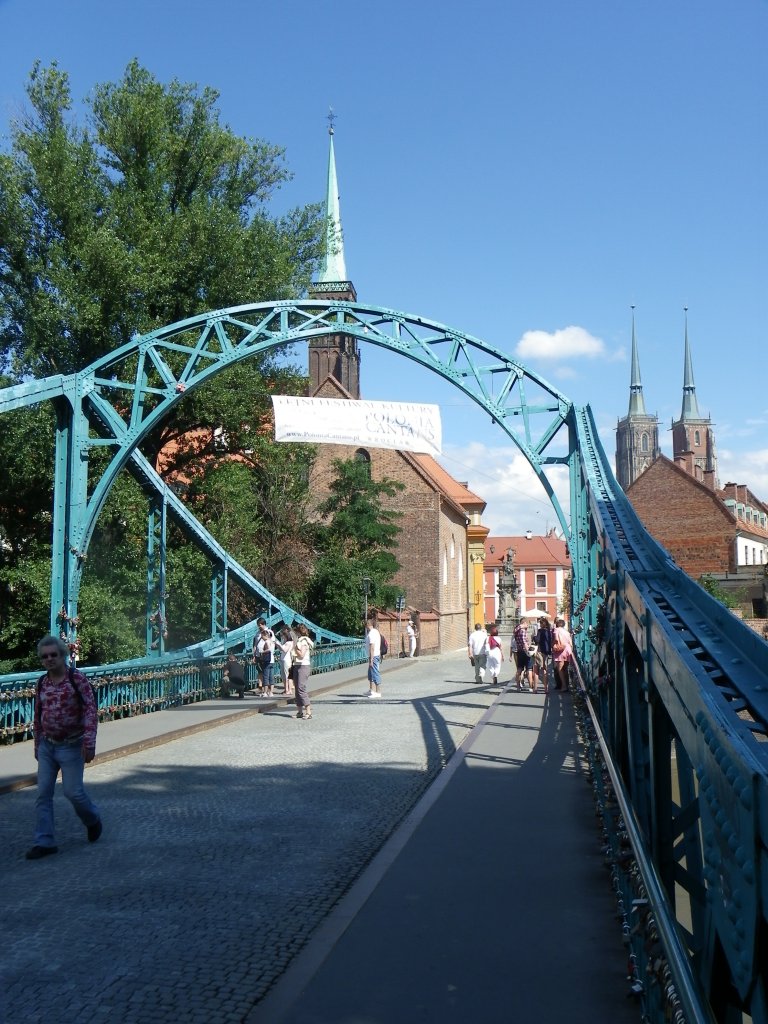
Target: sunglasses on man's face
(51, 654)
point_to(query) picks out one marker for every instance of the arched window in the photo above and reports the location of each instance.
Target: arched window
(696, 438)
(644, 443)
(361, 455)
(445, 566)
(461, 565)
(453, 547)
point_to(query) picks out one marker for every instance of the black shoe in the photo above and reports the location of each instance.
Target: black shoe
(94, 831)
(40, 851)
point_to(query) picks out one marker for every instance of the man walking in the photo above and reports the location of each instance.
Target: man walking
(373, 640)
(65, 738)
(477, 648)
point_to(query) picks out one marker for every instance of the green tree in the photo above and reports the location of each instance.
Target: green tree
(356, 540)
(730, 598)
(148, 212)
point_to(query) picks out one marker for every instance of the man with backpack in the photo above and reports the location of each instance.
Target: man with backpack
(65, 738)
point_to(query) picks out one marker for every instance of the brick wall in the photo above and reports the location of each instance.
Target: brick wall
(686, 518)
(427, 525)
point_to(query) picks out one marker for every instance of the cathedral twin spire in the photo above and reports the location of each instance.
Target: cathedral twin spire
(693, 442)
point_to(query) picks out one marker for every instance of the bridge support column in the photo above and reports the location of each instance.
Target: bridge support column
(219, 581)
(69, 490)
(157, 623)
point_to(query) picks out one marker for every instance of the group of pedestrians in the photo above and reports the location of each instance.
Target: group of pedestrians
(532, 652)
(288, 653)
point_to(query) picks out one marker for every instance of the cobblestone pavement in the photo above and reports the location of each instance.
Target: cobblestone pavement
(221, 853)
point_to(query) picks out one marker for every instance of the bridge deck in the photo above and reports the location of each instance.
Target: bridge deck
(224, 852)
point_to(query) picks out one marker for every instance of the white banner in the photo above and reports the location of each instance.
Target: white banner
(399, 425)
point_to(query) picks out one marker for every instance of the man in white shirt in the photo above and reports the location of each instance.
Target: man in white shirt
(373, 640)
(478, 650)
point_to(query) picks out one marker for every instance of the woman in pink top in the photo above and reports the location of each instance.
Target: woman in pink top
(562, 651)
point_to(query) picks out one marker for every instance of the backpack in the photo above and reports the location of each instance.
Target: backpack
(384, 647)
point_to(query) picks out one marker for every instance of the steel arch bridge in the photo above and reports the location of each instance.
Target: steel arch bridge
(677, 686)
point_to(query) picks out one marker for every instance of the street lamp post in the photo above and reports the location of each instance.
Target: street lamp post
(365, 588)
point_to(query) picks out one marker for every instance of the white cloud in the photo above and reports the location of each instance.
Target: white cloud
(567, 343)
(750, 468)
(504, 479)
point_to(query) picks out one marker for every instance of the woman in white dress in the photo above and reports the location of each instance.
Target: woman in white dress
(495, 654)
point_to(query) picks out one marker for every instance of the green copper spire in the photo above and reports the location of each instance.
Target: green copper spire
(334, 268)
(636, 400)
(690, 405)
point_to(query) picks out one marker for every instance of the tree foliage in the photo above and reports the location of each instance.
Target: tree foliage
(145, 211)
(149, 213)
(729, 598)
(356, 539)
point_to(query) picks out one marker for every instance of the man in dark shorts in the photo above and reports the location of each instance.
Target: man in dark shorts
(234, 678)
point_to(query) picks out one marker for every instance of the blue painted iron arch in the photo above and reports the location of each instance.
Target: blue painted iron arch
(124, 395)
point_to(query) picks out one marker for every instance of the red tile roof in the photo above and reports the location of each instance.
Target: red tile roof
(445, 483)
(529, 551)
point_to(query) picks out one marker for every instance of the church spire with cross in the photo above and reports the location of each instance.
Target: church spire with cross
(334, 358)
(637, 434)
(693, 438)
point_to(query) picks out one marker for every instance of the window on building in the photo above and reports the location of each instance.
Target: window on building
(541, 606)
(361, 455)
(644, 443)
(541, 581)
(453, 547)
(461, 565)
(445, 567)
(696, 438)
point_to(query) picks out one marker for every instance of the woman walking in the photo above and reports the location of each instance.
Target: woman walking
(562, 649)
(495, 655)
(301, 669)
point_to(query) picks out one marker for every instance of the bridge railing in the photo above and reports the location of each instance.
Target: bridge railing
(661, 976)
(134, 688)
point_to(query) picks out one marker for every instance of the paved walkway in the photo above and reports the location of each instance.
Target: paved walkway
(222, 889)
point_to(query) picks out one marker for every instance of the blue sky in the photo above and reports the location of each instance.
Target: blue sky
(504, 168)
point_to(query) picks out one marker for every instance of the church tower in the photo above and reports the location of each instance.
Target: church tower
(693, 439)
(335, 355)
(637, 434)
